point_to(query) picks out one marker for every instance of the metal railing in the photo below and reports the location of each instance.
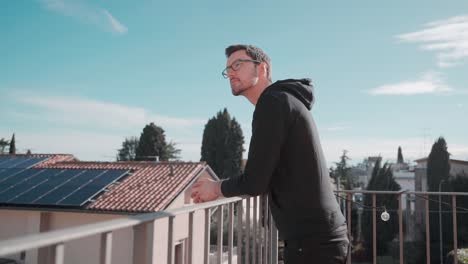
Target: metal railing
(258, 245)
(257, 237)
(348, 198)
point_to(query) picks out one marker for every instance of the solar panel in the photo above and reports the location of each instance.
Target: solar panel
(20, 161)
(92, 188)
(4, 160)
(56, 187)
(4, 173)
(55, 179)
(23, 186)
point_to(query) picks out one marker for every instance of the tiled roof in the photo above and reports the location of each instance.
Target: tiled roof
(150, 187)
(52, 158)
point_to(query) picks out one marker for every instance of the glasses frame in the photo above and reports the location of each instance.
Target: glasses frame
(224, 73)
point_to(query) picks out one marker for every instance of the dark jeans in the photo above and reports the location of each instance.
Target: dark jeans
(304, 251)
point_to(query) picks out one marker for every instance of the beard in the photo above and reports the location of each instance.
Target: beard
(239, 87)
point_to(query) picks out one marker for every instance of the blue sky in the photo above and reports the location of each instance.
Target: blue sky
(79, 76)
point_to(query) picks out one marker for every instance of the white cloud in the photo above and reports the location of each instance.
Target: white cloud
(449, 38)
(82, 111)
(76, 119)
(86, 13)
(429, 83)
(116, 25)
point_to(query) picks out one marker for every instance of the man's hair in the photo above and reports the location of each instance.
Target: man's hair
(253, 52)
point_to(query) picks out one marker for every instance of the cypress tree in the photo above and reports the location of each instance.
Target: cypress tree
(222, 145)
(400, 156)
(438, 169)
(13, 145)
(438, 165)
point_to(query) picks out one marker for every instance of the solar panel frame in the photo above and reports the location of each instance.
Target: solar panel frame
(92, 188)
(31, 162)
(5, 172)
(54, 187)
(20, 162)
(44, 199)
(17, 179)
(43, 188)
(4, 160)
(24, 186)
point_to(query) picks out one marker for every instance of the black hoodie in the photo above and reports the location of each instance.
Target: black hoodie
(286, 161)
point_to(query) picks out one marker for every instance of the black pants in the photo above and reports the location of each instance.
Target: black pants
(305, 251)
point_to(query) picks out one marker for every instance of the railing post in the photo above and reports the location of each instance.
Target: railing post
(170, 241)
(265, 229)
(261, 204)
(274, 240)
(106, 248)
(428, 234)
(400, 225)
(374, 231)
(143, 236)
(190, 237)
(207, 235)
(240, 208)
(455, 238)
(256, 217)
(247, 231)
(220, 234)
(230, 231)
(59, 253)
(350, 197)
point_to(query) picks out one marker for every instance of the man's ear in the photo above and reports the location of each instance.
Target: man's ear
(263, 69)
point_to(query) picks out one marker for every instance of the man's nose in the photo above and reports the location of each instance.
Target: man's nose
(231, 73)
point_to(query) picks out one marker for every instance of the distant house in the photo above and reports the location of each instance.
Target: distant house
(52, 192)
(457, 167)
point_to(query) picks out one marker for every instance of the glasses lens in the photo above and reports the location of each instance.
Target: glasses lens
(224, 73)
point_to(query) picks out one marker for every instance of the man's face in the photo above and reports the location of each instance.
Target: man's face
(245, 77)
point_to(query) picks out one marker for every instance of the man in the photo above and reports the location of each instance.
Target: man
(285, 160)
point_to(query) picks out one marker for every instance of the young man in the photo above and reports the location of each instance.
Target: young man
(285, 160)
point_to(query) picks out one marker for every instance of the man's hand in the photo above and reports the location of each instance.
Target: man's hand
(205, 190)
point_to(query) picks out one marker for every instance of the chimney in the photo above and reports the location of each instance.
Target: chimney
(171, 172)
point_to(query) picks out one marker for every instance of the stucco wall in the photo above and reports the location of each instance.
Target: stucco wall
(16, 223)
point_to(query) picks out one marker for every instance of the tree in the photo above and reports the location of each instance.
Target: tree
(222, 145)
(382, 180)
(172, 151)
(3, 144)
(12, 145)
(438, 169)
(400, 156)
(343, 171)
(128, 150)
(152, 144)
(438, 165)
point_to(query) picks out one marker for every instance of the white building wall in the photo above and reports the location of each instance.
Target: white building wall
(17, 223)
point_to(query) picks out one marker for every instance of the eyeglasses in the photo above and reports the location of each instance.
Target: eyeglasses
(235, 66)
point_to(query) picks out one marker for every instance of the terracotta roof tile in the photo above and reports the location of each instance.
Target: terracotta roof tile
(150, 186)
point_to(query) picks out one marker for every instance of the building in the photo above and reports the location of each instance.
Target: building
(37, 195)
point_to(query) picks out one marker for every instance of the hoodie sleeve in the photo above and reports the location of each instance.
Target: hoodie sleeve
(269, 127)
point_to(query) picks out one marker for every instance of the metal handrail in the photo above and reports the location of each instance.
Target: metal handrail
(50, 238)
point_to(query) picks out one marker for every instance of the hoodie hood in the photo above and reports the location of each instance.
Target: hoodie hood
(302, 89)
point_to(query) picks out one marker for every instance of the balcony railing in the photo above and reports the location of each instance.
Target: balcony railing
(257, 245)
(248, 219)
